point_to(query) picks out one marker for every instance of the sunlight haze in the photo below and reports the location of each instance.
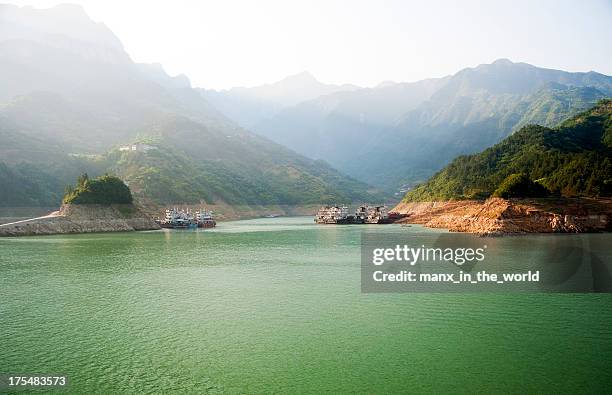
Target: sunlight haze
(222, 44)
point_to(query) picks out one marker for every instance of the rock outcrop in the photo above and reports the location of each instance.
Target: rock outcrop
(86, 218)
(496, 216)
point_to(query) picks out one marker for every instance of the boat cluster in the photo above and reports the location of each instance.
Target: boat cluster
(364, 214)
(184, 219)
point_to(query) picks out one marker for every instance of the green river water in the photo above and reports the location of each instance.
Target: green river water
(275, 306)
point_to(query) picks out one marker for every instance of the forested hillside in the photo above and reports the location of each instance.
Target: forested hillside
(71, 94)
(402, 133)
(573, 159)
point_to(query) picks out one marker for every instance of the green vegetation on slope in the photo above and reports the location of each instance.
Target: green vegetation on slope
(554, 103)
(520, 185)
(50, 131)
(35, 184)
(106, 189)
(165, 175)
(574, 159)
(402, 134)
(24, 185)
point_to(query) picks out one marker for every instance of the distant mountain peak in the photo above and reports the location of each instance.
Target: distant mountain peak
(503, 62)
(70, 21)
(506, 77)
(269, 98)
(302, 80)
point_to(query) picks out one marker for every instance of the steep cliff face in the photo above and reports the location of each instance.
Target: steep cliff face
(498, 216)
(87, 218)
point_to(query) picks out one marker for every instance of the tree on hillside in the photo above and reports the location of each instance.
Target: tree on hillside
(107, 189)
(519, 185)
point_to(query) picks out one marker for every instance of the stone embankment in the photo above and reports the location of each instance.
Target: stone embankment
(87, 218)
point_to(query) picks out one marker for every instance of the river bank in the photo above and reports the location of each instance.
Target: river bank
(496, 216)
(124, 218)
(86, 218)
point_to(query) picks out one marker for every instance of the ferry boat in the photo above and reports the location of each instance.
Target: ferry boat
(204, 219)
(364, 214)
(184, 219)
(333, 215)
(177, 219)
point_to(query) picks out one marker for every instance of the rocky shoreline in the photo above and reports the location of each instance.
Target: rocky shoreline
(85, 218)
(497, 216)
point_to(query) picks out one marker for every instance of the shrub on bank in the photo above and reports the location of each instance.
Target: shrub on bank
(106, 189)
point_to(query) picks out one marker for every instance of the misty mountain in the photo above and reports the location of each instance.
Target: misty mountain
(573, 159)
(249, 106)
(476, 109)
(337, 126)
(398, 134)
(56, 25)
(71, 95)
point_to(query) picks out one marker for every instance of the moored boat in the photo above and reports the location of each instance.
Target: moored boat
(365, 214)
(204, 219)
(184, 219)
(333, 215)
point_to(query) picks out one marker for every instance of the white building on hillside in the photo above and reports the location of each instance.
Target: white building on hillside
(139, 147)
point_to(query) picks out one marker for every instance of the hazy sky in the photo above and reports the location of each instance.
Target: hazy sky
(220, 44)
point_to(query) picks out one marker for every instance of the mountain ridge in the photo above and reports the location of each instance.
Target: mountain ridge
(65, 117)
(573, 159)
(389, 140)
(249, 106)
